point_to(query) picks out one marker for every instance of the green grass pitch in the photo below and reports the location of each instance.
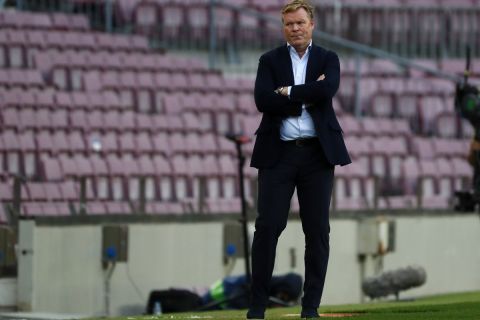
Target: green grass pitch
(452, 307)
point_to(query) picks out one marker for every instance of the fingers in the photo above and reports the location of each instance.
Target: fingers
(322, 77)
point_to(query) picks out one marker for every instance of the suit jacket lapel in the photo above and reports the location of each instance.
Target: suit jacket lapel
(286, 64)
(312, 64)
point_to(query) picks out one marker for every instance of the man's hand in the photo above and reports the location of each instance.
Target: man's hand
(322, 77)
(282, 91)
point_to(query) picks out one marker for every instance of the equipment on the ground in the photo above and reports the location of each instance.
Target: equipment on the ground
(228, 293)
(392, 282)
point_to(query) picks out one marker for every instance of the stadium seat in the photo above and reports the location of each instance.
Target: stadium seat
(446, 125)
(165, 182)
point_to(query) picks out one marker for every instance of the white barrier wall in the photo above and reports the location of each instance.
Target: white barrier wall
(63, 271)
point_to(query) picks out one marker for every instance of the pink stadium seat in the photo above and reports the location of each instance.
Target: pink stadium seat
(215, 81)
(11, 119)
(64, 100)
(161, 143)
(11, 145)
(96, 208)
(382, 105)
(428, 183)
(144, 122)
(359, 146)
(179, 81)
(350, 125)
(445, 177)
(197, 81)
(382, 67)
(146, 17)
(68, 166)
(36, 191)
(453, 66)
(96, 120)
(15, 49)
(41, 119)
(197, 122)
(222, 206)
(126, 142)
(228, 169)
(55, 191)
(181, 170)
(28, 118)
(143, 143)
(146, 168)
(118, 207)
(463, 174)
(78, 120)
(51, 169)
(60, 142)
(101, 172)
(111, 120)
(407, 107)
(59, 119)
(411, 172)
(6, 192)
(46, 98)
(429, 108)
(31, 209)
(164, 208)
(447, 125)
(400, 127)
(29, 156)
(163, 168)
(423, 148)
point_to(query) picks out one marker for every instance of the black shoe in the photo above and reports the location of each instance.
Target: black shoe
(309, 313)
(255, 314)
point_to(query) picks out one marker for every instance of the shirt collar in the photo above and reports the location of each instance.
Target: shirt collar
(289, 46)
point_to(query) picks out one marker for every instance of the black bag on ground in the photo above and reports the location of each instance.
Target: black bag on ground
(174, 300)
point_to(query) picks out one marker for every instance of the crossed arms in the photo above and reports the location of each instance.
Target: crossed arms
(270, 99)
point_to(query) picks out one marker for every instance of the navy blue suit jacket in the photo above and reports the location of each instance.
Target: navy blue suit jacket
(275, 70)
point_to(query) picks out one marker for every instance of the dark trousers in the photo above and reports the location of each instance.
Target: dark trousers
(304, 168)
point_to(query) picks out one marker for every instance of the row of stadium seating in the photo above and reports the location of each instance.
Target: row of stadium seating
(43, 21)
(430, 28)
(171, 150)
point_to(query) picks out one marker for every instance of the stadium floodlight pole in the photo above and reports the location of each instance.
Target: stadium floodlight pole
(239, 140)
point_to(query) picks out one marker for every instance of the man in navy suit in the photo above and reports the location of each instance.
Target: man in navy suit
(298, 143)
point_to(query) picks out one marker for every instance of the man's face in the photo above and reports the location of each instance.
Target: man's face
(298, 28)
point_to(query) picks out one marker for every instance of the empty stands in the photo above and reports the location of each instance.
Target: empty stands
(103, 117)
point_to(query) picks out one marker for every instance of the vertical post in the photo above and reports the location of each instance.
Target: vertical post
(17, 200)
(358, 111)
(26, 272)
(246, 242)
(212, 47)
(143, 196)
(83, 195)
(108, 16)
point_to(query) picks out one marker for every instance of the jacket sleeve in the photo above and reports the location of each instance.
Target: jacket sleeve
(315, 91)
(266, 100)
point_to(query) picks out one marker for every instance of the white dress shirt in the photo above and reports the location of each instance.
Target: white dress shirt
(298, 127)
